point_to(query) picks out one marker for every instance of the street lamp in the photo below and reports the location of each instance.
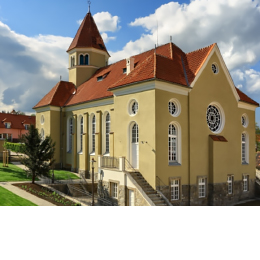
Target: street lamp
(93, 161)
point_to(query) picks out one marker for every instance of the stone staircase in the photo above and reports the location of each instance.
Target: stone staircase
(77, 189)
(148, 189)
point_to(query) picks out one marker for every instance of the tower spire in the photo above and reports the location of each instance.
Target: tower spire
(89, 3)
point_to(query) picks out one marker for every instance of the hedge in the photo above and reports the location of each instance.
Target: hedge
(18, 148)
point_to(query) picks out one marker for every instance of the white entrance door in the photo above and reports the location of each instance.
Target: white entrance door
(131, 198)
(135, 147)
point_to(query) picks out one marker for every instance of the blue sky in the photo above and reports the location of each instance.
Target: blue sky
(34, 37)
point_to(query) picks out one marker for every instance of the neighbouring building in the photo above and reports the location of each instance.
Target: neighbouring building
(160, 120)
(13, 126)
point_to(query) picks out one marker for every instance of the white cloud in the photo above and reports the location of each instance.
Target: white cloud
(249, 79)
(233, 24)
(30, 67)
(106, 22)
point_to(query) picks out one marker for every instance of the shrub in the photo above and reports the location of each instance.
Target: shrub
(17, 148)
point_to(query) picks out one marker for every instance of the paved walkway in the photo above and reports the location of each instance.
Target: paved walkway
(24, 194)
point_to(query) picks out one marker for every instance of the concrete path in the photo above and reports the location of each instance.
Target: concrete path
(24, 194)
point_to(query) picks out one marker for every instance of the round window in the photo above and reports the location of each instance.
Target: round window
(215, 120)
(174, 107)
(42, 119)
(133, 107)
(214, 68)
(244, 120)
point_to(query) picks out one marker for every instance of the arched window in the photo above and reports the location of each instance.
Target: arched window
(172, 144)
(135, 134)
(107, 132)
(72, 61)
(93, 131)
(70, 129)
(81, 59)
(86, 59)
(81, 136)
(244, 148)
(42, 134)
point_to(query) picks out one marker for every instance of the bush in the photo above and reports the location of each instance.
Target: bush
(18, 148)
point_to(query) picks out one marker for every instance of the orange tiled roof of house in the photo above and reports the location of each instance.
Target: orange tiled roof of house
(58, 95)
(168, 63)
(245, 98)
(17, 121)
(88, 35)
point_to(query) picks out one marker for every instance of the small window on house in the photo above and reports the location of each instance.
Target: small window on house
(202, 187)
(81, 59)
(245, 183)
(42, 119)
(26, 127)
(244, 120)
(1, 136)
(175, 189)
(8, 125)
(133, 107)
(214, 68)
(230, 184)
(100, 78)
(124, 70)
(86, 59)
(113, 190)
(174, 107)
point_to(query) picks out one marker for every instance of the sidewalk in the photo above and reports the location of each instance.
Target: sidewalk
(24, 194)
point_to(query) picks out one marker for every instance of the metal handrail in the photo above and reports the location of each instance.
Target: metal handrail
(160, 185)
(128, 166)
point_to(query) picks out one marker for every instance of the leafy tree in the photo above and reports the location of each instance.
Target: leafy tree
(38, 153)
(257, 132)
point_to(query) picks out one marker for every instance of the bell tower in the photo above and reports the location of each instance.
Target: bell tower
(87, 52)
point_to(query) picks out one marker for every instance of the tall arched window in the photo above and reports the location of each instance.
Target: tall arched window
(172, 144)
(86, 59)
(93, 131)
(135, 134)
(107, 132)
(70, 134)
(81, 135)
(72, 61)
(81, 59)
(244, 148)
(42, 134)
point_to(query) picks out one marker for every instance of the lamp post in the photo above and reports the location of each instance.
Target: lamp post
(93, 161)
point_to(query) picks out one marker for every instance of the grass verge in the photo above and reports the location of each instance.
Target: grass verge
(7, 198)
(64, 175)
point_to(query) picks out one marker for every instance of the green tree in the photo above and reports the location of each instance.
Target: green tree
(257, 132)
(38, 153)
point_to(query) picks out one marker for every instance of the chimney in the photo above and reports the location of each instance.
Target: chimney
(130, 63)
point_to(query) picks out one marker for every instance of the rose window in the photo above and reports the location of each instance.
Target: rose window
(213, 118)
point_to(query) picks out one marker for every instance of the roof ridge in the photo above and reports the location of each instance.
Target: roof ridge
(200, 49)
(211, 47)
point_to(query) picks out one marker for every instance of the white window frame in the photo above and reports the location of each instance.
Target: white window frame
(245, 116)
(202, 189)
(42, 119)
(114, 190)
(26, 126)
(245, 183)
(178, 144)
(106, 134)
(177, 105)
(69, 134)
(230, 183)
(135, 103)
(7, 125)
(244, 148)
(175, 189)
(80, 134)
(92, 136)
(42, 134)
(216, 67)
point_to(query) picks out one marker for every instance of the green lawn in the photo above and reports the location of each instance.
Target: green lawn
(7, 198)
(64, 175)
(12, 173)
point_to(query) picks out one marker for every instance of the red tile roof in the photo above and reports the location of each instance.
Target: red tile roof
(218, 138)
(168, 63)
(58, 95)
(88, 36)
(245, 98)
(17, 121)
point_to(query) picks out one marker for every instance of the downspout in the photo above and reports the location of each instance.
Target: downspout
(61, 143)
(188, 84)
